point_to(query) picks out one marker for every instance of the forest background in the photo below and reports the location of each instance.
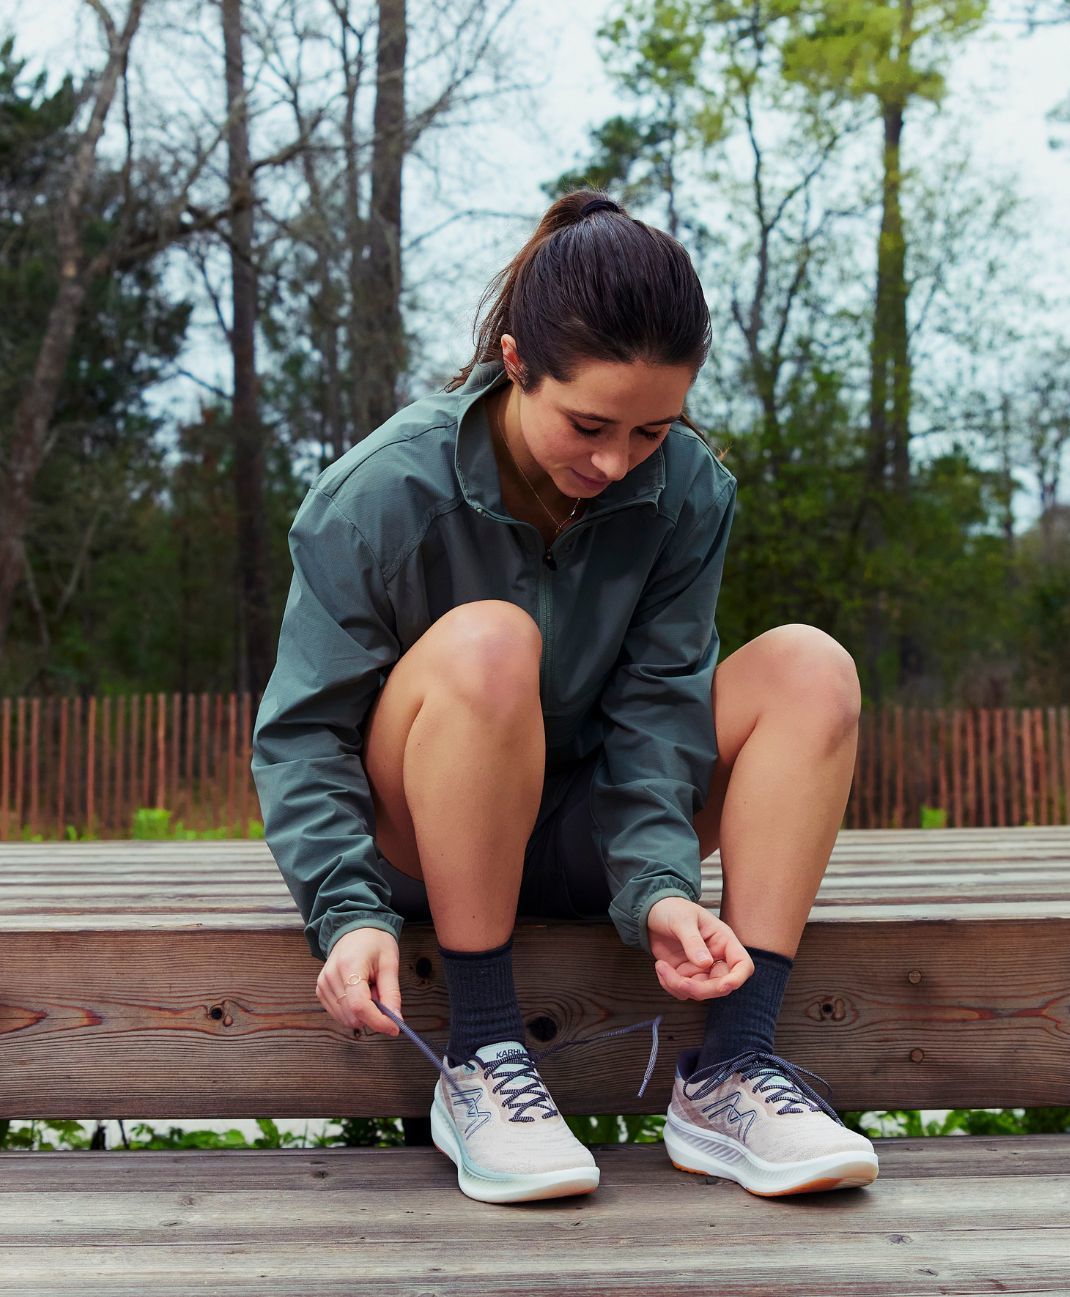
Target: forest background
(214, 281)
(236, 235)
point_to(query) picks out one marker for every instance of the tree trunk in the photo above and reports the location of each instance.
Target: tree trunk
(378, 355)
(30, 433)
(256, 655)
(889, 406)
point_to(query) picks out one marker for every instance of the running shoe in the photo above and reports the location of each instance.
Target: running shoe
(754, 1120)
(494, 1119)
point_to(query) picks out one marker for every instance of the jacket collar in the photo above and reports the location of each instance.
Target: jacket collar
(477, 469)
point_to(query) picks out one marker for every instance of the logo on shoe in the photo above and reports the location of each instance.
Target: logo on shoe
(728, 1115)
(479, 1116)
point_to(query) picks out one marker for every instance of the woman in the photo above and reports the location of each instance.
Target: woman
(495, 694)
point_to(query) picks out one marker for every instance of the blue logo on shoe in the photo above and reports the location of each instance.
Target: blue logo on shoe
(726, 1109)
(470, 1098)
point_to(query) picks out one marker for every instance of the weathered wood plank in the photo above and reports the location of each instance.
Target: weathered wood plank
(173, 980)
(950, 1158)
(334, 1221)
(166, 1023)
(119, 1218)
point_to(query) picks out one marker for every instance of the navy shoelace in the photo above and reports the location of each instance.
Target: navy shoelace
(515, 1056)
(774, 1072)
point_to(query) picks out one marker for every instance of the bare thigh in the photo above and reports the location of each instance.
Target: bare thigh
(386, 731)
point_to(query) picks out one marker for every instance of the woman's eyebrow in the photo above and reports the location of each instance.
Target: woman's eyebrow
(601, 418)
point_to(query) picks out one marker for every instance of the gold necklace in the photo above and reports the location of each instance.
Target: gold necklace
(560, 525)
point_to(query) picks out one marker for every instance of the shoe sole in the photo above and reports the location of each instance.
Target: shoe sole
(501, 1186)
(704, 1153)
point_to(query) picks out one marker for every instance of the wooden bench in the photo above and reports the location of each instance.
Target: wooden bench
(151, 980)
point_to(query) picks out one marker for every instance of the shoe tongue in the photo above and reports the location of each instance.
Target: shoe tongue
(488, 1053)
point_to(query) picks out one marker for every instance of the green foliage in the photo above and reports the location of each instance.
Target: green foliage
(892, 52)
(151, 824)
(104, 467)
(352, 1132)
(387, 1132)
(933, 817)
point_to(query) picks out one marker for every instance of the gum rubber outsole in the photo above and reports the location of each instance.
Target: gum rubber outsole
(852, 1173)
(812, 1186)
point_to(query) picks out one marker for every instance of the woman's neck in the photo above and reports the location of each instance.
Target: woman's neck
(515, 461)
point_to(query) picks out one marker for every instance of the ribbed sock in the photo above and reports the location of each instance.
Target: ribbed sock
(483, 1004)
(746, 1018)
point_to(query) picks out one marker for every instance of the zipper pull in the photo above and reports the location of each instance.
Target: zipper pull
(550, 561)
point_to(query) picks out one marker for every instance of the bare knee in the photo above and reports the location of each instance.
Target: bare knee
(491, 651)
(810, 665)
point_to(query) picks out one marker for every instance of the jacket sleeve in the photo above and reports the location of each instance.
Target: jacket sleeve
(660, 746)
(337, 635)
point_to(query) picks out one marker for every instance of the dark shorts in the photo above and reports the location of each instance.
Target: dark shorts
(563, 873)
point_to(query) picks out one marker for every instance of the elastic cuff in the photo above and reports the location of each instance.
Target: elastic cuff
(648, 903)
(373, 919)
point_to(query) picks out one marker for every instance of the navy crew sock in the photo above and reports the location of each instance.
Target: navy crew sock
(483, 1004)
(746, 1017)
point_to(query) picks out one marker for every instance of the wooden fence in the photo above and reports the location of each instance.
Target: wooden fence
(73, 766)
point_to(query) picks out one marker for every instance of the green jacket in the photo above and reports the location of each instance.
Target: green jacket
(410, 523)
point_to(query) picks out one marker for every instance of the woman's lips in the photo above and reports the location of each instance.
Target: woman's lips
(587, 481)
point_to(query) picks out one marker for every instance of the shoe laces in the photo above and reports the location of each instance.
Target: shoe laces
(522, 1067)
(775, 1078)
(525, 1062)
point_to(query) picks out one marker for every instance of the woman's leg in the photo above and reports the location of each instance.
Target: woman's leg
(786, 711)
(455, 754)
(786, 708)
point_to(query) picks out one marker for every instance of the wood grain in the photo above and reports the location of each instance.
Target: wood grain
(159, 979)
(392, 1220)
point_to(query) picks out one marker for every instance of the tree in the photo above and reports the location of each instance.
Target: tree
(256, 657)
(890, 55)
(32, 432)
(102, 449)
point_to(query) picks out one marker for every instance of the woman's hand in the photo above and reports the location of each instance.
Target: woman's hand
(697, 957)
(372, 954)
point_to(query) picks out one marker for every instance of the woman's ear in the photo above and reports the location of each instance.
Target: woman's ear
(510, 358)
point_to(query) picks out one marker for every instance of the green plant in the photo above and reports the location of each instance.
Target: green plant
(933, 817)
(383, 1132)
(151, 823)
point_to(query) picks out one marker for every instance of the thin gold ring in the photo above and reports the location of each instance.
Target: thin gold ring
(350, 981)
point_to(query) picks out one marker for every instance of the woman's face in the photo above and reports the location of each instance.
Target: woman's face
(599, 427)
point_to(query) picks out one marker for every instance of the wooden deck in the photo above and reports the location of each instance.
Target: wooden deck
(158, 979)
(163, 980)
(950, 1215)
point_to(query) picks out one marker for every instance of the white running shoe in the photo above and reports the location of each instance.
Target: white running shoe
(753, 1119)
(496, 1122)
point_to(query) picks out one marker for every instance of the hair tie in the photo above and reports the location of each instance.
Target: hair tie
(596, 205)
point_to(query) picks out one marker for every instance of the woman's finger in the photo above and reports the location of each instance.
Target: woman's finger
(388, 992)
(717, 969)
(726, 945)
(671, 980)
(354, 1008)
(699, 987)
(693, 943)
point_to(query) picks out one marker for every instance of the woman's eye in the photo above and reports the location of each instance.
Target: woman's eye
(593, 432)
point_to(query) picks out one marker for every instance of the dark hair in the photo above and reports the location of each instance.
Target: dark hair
(594, 285)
